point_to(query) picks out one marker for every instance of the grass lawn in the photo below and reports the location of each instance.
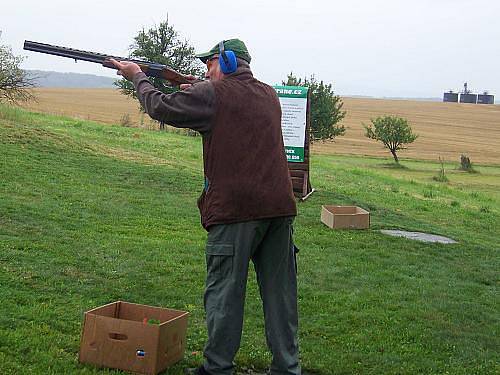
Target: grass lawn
(92, 213)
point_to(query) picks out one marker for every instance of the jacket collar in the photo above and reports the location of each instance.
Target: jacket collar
(242, 72)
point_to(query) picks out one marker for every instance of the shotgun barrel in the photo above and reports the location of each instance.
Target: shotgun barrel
(151, 69)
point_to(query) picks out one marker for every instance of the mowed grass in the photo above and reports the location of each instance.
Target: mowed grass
(446, 130)
(91, 214)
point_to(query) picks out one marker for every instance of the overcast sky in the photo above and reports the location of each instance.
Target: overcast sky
(406, 48)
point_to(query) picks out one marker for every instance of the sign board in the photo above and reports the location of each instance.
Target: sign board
(295, 119)
(293, 100)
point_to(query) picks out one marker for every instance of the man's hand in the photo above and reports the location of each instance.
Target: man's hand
(184, 86)
(126, 69)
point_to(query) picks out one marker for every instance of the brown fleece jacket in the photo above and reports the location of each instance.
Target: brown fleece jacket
(246, 172)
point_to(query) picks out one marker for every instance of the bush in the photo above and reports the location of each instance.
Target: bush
(466, 164)
(15, 82)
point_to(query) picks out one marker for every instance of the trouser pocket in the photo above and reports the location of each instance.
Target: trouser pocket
(219, 259)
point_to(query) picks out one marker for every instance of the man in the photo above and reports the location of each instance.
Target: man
(247, 205)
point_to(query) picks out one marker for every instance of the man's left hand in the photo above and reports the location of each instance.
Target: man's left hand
(126, 69)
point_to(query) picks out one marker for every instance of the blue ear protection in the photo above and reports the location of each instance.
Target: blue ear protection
(227, 60)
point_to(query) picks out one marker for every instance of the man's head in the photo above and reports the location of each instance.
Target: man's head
(211, 58)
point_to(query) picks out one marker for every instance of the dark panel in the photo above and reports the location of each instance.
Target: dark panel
(450, 97)
(468, 98)
(485, 99)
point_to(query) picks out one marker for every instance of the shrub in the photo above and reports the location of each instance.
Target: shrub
(466, 164)
(15, 82)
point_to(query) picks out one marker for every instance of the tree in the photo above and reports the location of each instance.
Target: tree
(162, 44)
(394, 132)
(15, 83)
(326, 108)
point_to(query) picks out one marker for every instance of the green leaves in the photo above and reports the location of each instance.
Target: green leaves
(326, 108)
(14, 81)
(162, 44)
(394, 132)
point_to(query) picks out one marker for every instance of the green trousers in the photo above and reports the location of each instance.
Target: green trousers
(230, 247)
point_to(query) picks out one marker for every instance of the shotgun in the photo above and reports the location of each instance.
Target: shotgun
(149, 68)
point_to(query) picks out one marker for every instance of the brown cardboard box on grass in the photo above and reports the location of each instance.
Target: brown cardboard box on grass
(118, 335)
(345, 217)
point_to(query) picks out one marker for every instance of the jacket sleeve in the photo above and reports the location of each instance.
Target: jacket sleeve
(192, 108)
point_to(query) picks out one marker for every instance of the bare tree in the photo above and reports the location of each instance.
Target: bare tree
(15, 83)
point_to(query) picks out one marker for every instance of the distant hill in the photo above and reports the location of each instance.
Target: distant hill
(430, 99)
(70, 80)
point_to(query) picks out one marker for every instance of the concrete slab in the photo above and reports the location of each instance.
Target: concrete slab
(418, 236)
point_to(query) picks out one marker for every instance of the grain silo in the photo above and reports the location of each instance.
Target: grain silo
(450, 97)
(466, 96)
(485, 98)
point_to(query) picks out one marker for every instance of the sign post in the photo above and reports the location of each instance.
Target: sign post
(295, 120)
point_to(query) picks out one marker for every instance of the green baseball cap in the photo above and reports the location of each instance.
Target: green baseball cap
(235, 45)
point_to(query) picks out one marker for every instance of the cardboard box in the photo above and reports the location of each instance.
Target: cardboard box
(345, 217)
(133, 337)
